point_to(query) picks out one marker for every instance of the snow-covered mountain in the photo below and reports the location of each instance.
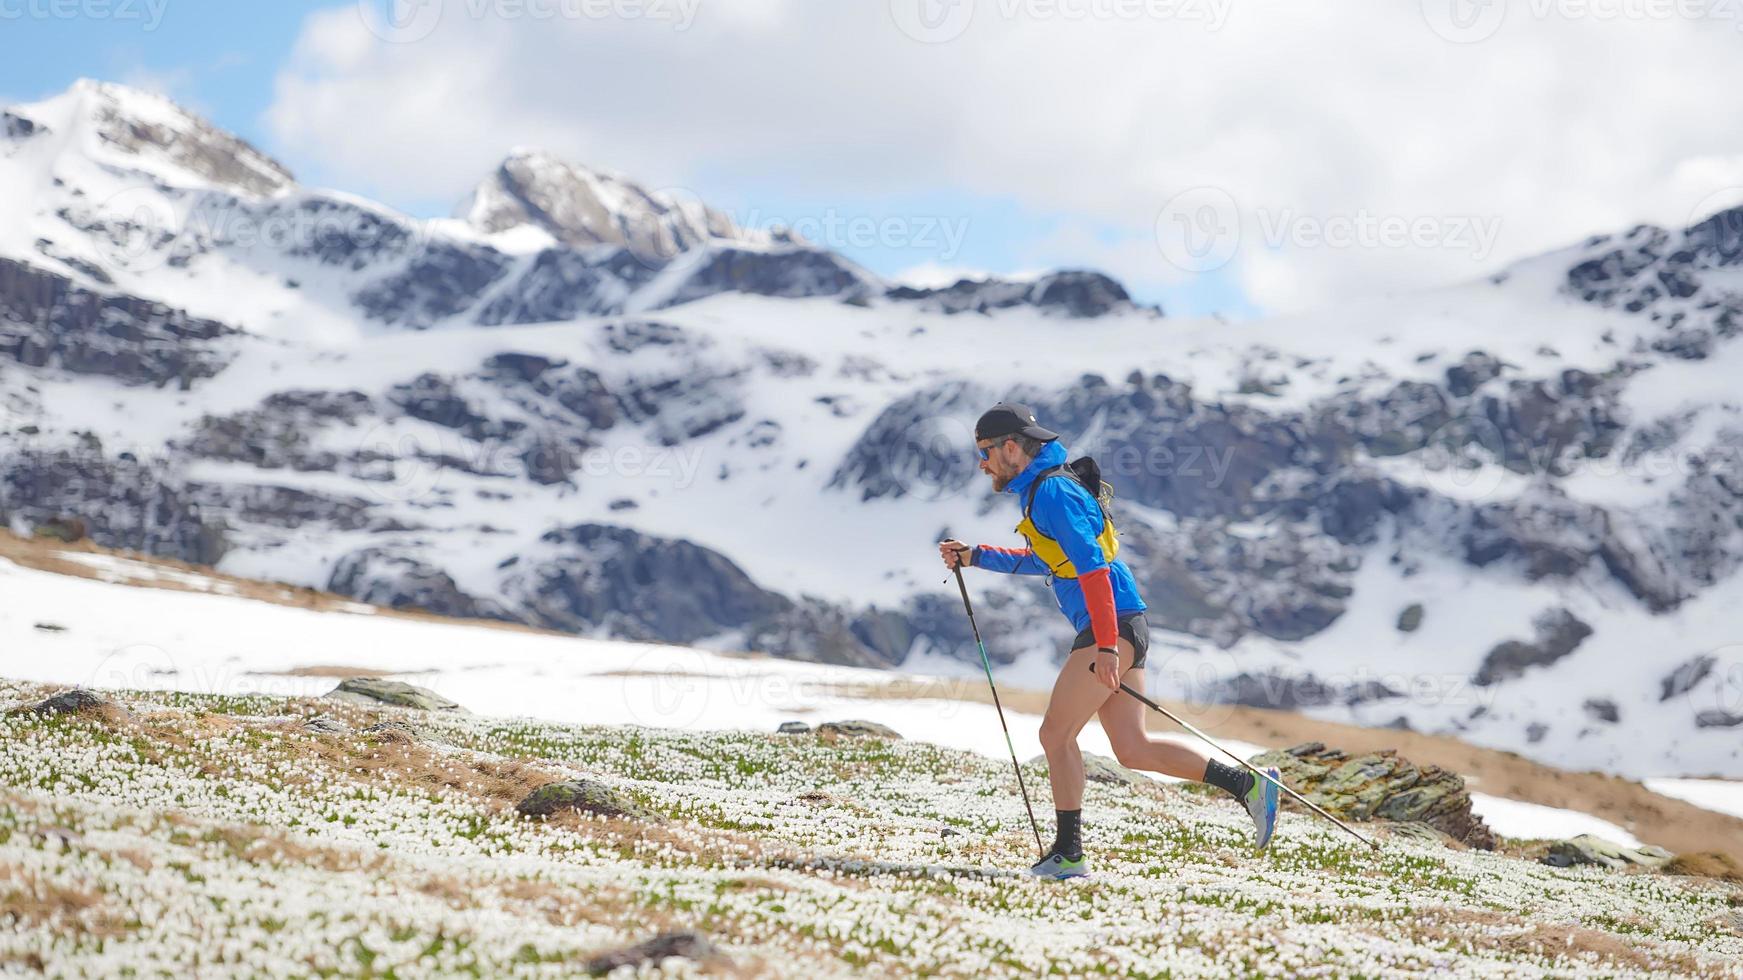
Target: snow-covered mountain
(1509, 509)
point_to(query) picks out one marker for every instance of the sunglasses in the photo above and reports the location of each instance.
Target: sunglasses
(986, 451)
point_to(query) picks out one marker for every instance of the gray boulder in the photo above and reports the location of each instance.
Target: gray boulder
(637, 586)
(689, 944)
(793, 728)
(1100, 769)
(373, 692)
(77, 701)
(1559, 633)
(586, 796)
(1586, 849)
(857, 729)
(323, 725)
(1380, 785)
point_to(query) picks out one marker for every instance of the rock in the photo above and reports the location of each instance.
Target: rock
(1559, 633)
(323, 725)
(793, 728)
(51, 627)
(1586, 849)
(1686, 675)
(635, 586)
(584, 795)
(373, 693)
(1603, 709)
(1100, 769)
(394, 731)
(793, 272)
(948, 832)
(690, 945)
(67, 529)
(77, 701)
(857, 729)
(1383, 786)
(386, 577)
(1718, 718)
(1471, 373)
(1075, 293)
(49, 320)
(1410, 620)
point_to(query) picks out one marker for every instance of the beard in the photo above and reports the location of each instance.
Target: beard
(1000, 483)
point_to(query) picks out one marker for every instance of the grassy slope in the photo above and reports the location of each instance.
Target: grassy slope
(204, 834)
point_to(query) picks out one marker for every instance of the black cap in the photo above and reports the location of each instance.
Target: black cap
(1008, 419)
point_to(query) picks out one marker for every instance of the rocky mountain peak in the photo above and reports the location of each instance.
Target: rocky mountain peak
(142, 130)
(579, 206)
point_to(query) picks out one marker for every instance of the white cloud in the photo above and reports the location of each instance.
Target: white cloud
(1308, 116)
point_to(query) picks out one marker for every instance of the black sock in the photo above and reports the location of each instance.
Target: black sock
(1237, 781)
(1068, 841)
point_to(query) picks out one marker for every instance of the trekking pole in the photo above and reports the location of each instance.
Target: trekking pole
(984, 662)
(1262, 774)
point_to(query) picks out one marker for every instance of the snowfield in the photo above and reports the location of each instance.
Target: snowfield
(203, 834)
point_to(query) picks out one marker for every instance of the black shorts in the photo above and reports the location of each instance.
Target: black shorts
(1134, 627)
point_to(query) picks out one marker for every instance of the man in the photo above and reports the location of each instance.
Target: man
(1072, 541)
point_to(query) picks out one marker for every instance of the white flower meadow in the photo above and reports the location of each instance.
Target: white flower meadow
(213, 836)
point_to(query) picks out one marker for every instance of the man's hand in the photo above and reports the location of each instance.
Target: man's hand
(956, 554)
(1106, 667)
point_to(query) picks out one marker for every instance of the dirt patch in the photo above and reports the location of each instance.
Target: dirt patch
(1706, 864)
(401, 760)
(324, 670)
(50, 555)
(31, 901)
(1494, 931)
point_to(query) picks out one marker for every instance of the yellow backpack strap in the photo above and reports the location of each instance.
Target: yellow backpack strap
(1029, 500)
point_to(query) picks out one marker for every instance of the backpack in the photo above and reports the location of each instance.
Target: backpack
(1087, 472)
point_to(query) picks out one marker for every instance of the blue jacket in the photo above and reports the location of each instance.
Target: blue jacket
(1070, 515)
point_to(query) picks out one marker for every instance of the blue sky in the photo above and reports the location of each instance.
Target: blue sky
(1035, 139)
(221, 59)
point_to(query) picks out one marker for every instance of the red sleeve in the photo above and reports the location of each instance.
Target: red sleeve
(1098, 598)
